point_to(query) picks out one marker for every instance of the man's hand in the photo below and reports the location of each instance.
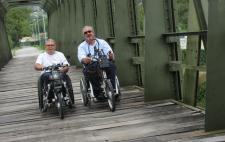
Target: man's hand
(64, 69)
(86, 60)
(111, 56)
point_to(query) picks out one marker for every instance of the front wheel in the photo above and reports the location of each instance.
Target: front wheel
(40, 96)
(70, 97)
(118, 92)
(60, 105)
(83, 90)
(110, 95)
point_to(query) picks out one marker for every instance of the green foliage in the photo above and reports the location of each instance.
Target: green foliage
(202, 82)
(182, 15)
(10, 41)
(14, 50)
(202, 56)
(201, 95)
(140, 17)
(17, 23)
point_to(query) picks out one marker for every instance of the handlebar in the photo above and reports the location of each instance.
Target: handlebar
(53, 67)
(99, 56)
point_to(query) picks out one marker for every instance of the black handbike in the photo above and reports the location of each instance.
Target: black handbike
(87, 93)
(55, 92)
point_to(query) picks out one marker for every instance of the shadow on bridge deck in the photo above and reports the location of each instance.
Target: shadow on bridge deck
(133, 120)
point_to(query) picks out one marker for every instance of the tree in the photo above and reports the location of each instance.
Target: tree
(182, 15)
(18, 24)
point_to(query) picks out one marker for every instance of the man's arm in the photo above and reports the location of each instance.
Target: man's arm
(39, 63)
(108, 50)
(38, 67)
(81, 54)
(65, 64)
(64, 69)
(86, 60)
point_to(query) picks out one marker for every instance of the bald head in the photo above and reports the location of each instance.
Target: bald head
(87, 28)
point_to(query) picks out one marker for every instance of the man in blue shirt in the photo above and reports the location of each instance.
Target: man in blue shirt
(87, 50)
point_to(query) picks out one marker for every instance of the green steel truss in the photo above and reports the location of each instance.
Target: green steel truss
(149, 54)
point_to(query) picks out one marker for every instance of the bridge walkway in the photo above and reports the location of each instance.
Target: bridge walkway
(133, 120)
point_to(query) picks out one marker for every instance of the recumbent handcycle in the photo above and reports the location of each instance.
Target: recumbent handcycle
(55, 92)
(86, 87)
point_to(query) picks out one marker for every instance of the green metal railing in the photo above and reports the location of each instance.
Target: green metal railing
(189, 73)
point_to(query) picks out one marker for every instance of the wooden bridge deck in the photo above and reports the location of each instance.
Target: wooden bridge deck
(133, 120)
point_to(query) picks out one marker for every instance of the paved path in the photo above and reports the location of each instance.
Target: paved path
(26, 51)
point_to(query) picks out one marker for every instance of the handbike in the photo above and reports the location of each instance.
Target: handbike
(55, 92)
(87, 92)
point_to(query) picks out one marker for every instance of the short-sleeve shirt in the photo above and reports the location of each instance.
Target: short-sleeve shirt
(46, 59)
(84, 48)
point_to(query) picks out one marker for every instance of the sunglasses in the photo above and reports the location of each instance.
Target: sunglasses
(87, 32)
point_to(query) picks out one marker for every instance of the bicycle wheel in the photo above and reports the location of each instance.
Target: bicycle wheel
(110, 95)
(83, 90)
(118, 93)
(40, 96)
(40, 100)
(60, 105)
(70, 97)
(43, 101)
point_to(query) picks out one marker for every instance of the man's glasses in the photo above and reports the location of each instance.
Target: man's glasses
(50, 44)
(87, 32)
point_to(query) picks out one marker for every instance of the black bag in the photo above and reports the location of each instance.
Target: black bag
(92, 68)
(104, 63)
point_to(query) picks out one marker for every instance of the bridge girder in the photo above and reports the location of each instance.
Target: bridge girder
(14, 3)
(48, 5)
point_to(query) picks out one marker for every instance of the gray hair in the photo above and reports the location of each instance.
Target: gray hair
(50, 40)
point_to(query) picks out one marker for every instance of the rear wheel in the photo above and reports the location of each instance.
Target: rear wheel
(40, 95)
(41, 102)
(110, 96)
(71, 95)
(60, 105)
(83, 90)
